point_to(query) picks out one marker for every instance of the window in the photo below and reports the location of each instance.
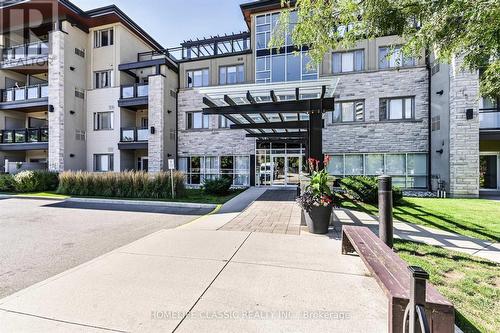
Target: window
(263, 27)
(397, 108)
(201, 168)
(224, 122)
(103, 38)
(197, 78)
(196, 120)
(103, 121)
(103, 79)
(409, 170)
(103, 162)
(231, 74)
(349, 111)
(393, 57)
(352, 61)
(285, 67)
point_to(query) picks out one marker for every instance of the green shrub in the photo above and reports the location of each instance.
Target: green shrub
(26, 181)
(365, 189)
(219, 186)
(6, 183)
(47, 180)
(129, 184)
(34, 181)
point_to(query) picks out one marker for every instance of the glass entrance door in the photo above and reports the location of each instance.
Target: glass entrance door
(488, 171)
(279, 165)
(293, 170)
(279, 170)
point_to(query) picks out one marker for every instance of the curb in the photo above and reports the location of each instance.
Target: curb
(142, 203)
(30, 197)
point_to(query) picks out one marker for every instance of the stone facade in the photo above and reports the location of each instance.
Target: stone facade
(464, 134)
(374, 135)
(56, 101)
(212, 141)
(156, 114)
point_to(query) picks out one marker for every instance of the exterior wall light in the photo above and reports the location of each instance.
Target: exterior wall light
(51, 108)
(469, 114)
(152, 130)
(440, 92)
(72, 112)
(71, 155)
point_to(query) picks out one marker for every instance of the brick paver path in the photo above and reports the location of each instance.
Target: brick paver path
(273, 212)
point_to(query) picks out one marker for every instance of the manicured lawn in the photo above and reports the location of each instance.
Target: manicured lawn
(478, 218)
(472, 284)
(191, 196)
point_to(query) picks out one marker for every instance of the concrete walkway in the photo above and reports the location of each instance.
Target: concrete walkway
(206, 281)
(413, 232)
(199, 279)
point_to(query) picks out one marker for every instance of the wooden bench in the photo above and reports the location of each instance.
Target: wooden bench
(393, 276)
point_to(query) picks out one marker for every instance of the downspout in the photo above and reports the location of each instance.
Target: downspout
(429, 121)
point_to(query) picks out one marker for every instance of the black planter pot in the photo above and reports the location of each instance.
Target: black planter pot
(318, 219)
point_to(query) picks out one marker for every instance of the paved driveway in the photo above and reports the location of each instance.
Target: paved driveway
(41, 238)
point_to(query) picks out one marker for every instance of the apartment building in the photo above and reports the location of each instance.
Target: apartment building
(110, 98)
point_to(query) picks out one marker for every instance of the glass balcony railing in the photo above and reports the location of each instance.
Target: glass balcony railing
(134, 134)
(489, 118)
(25, 93)
(23, 51)
(24, 135)
(134, 91)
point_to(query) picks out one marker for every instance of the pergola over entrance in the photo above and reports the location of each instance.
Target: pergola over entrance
(291, 111)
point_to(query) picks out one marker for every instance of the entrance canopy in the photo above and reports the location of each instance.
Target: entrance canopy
(272, 111)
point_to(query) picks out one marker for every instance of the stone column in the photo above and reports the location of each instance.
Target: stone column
(56, 102)
(156, 116)
(464, 133)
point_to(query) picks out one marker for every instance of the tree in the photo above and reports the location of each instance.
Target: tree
(469, 29)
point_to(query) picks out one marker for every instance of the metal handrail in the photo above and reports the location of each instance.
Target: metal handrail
(135, 133)
(135, 90)
(41, 135)
(40, 93)
(42, 48)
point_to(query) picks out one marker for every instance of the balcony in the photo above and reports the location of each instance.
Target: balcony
(489, 123)
(134, 97)
(28, 98)
(31, 54)
(24, 139)
(133, 138)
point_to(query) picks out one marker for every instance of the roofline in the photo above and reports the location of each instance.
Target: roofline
(114, 9)
(111, 9)
(260, 6)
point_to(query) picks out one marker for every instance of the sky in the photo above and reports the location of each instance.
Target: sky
(171, 22)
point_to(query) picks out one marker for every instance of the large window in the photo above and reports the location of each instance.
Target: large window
(393, 57)
(197, 78)
(103, 162)
(197, 120)
(200, 168)
(103, 121)
(409, 170)
(348, 112)
(103, 79)
(103, 38)
(397, 108)
(352, 61)
(231, 74)
(280, 66)
(285, 67)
